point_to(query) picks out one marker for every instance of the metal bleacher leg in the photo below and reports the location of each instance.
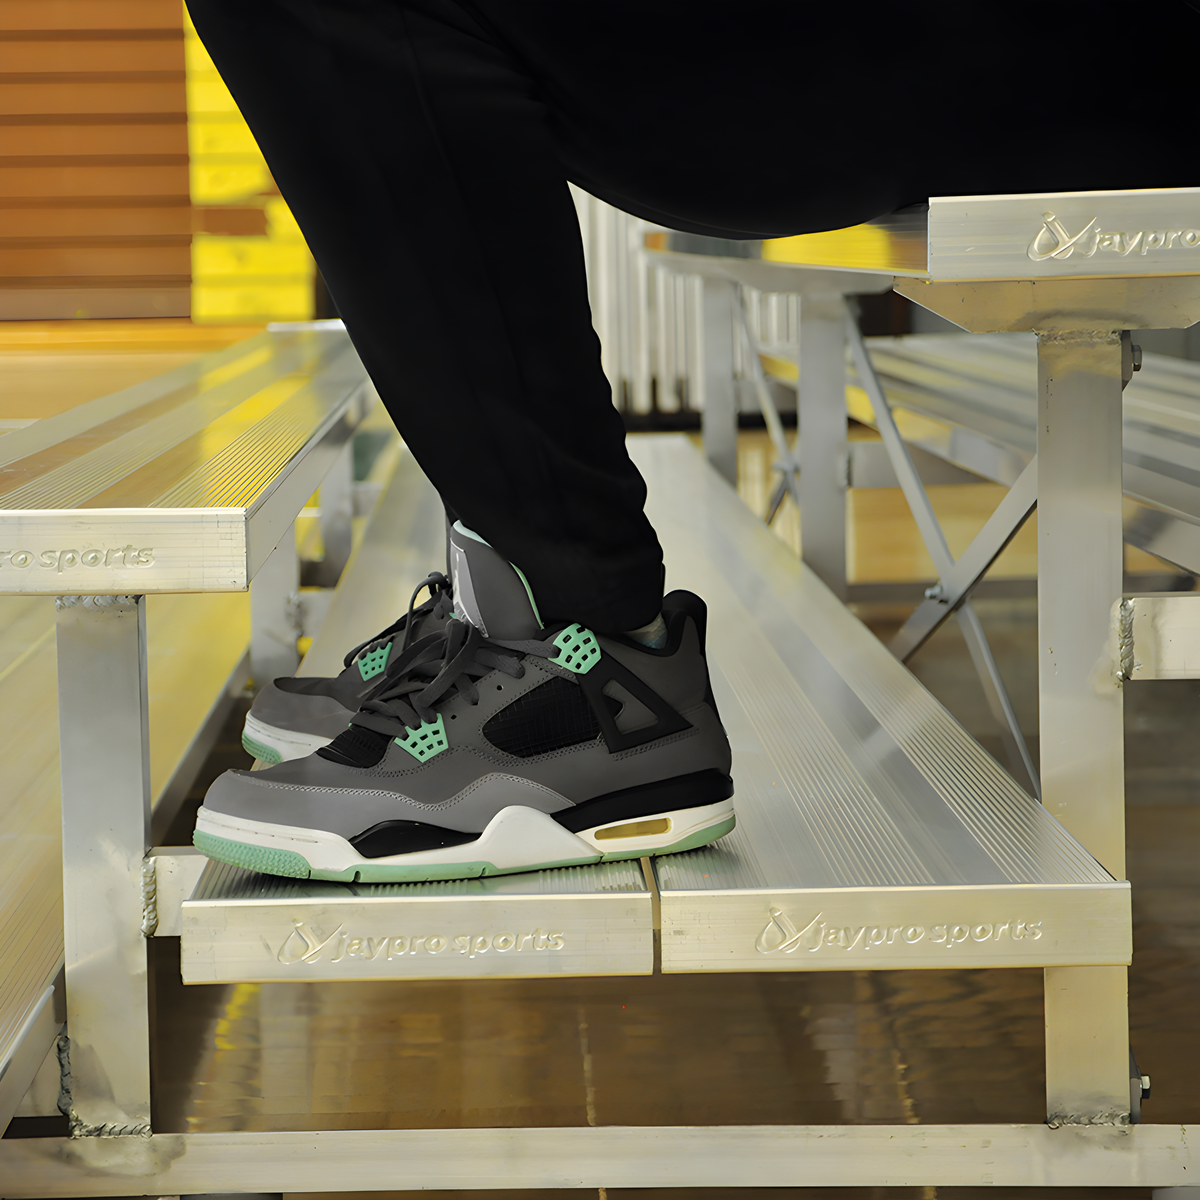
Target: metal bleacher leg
(105, 755)
(821, 410)
(1082, 735)
(718, 399)
(337, 515)
(274, 613)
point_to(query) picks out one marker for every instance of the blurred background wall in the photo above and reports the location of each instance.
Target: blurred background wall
(130, 186)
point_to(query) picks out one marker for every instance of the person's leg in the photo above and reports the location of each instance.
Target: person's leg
(774, 117)
(416, 159)
(423, 145)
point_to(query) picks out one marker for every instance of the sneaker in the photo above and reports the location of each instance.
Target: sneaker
(293, 716)
(487, 755)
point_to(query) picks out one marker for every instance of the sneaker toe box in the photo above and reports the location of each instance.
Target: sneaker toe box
(310, 711)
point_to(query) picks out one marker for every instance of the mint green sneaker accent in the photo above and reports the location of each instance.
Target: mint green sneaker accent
(252, 858)
(259, 751)
(528, 592)
(374, 663)
(702, 837)
(425, 742)
(578, 649)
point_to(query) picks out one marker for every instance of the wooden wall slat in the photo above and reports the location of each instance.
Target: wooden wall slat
(89, 14)
(155, 96)
(131, 218)
(133, 257)
(27, 56)
(57, 141)
(94, 181)
(95, 210)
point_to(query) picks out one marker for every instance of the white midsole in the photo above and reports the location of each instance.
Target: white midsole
(288, 743)
(515, 837)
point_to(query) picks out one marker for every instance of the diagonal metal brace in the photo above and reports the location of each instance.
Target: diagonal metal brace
(788, 460)
(934, 538)
(956, 583)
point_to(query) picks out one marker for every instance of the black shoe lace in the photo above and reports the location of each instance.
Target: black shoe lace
(439, 603)
(436, 667)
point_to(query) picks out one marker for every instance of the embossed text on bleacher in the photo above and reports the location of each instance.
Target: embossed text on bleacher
(66, 560)
(782, 936)
(308, 944)
(1053, 240)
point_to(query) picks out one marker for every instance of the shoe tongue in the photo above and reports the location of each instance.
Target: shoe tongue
(488, 590)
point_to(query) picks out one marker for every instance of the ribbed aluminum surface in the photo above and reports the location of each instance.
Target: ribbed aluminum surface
(155, 488)
(985, 385)
(857, 793)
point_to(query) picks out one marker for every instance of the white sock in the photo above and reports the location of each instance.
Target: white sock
(653, 635)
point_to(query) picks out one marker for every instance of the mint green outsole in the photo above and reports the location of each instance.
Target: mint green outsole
(259, 751)
(252, 858)
(288, 863)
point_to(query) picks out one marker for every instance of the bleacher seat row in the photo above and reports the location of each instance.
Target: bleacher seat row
(873, 831)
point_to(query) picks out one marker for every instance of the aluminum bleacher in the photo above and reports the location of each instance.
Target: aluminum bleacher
(873, 832)
(188, 483)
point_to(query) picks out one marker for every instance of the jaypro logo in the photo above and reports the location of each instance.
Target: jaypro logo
(307, 944)
(783, 936)
(66, 560)
(1055, 241)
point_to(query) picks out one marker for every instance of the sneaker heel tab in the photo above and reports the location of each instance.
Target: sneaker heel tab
(680, 605)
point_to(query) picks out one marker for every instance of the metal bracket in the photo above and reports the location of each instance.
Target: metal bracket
(958, 580)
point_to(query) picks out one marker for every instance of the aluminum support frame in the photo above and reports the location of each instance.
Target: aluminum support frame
(275, 613)
(105, 765)
(1080, 557)
(957, 583)
(735, 1156)
(1079, 585)
(787, 462)
(821, 421)
(718, 401)
(337, 515)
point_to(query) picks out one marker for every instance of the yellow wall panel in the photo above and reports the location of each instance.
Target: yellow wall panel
(260, 256)
(215, 182)
(245, 302)
(210, 133)
(238, 278)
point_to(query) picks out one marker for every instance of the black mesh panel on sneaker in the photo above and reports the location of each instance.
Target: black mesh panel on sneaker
(355, 747)
(553, 715)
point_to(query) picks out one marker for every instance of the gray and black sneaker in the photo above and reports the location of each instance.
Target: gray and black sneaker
(488, 754)
(293, 716)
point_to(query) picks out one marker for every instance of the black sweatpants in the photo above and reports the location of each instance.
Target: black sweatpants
(425, 147)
